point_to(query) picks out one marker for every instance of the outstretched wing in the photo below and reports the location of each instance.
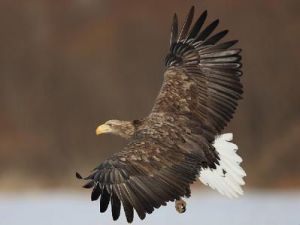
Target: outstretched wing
(149, 172)
(202, 80)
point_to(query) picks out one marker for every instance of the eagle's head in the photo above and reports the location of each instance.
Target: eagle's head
(118, 127)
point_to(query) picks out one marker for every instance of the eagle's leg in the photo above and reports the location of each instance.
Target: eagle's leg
(180, 205)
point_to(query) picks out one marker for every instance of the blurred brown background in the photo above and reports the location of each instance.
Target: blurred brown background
(66, 66)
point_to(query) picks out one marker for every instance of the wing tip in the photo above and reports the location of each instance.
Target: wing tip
(78, 176)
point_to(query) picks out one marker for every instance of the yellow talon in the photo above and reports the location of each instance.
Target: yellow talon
(180, 206)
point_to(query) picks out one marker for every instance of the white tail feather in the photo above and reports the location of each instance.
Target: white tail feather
(227, 178)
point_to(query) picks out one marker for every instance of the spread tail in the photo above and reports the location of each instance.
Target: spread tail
(227, 178)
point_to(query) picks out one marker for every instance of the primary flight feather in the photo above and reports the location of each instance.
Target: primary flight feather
(180, 140)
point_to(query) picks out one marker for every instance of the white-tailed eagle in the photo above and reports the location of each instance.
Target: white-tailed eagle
(180, 140)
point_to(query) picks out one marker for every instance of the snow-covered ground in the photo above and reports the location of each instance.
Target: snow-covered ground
(204, 208)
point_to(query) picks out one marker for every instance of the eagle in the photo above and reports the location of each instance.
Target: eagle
(180, 140)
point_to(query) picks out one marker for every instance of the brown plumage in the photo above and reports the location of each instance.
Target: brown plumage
(167, 149)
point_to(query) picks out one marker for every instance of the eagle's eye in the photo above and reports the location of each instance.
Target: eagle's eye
(108, 124)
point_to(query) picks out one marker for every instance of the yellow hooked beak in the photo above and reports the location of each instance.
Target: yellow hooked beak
(102, 129)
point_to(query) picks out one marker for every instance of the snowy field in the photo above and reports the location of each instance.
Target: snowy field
(207, 208)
